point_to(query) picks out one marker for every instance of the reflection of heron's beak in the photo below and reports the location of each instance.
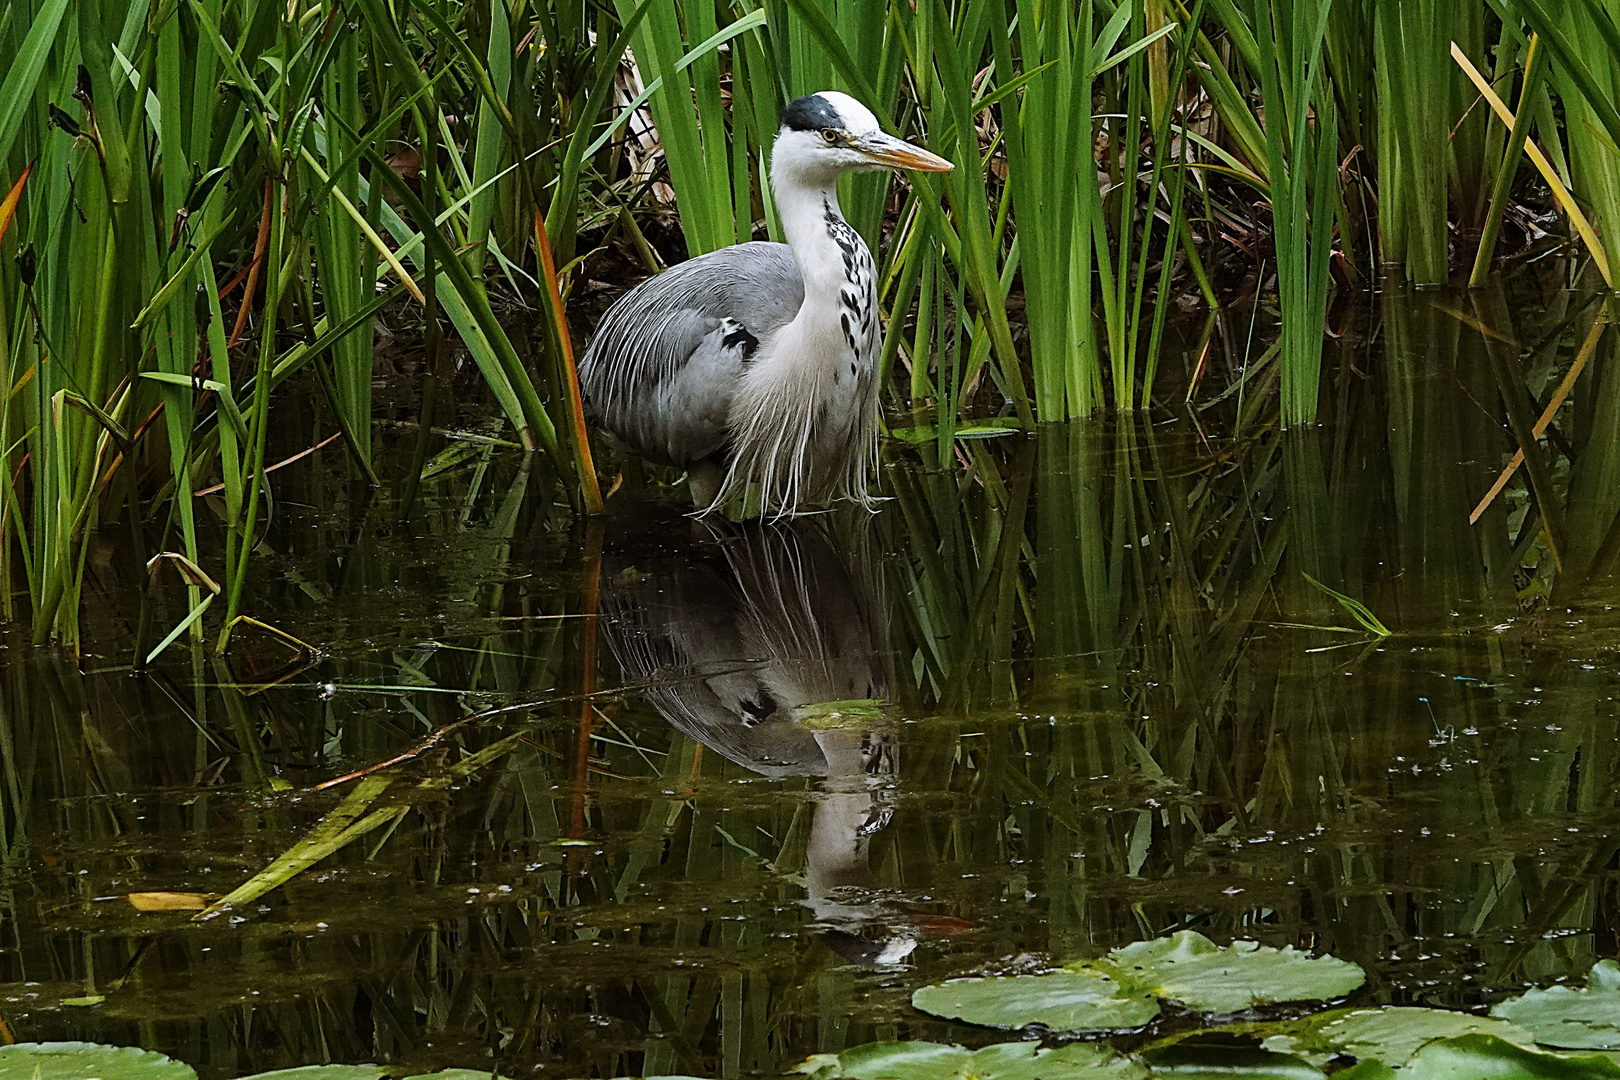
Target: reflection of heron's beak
(893, 153)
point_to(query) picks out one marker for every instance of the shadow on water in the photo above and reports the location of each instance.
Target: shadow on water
(1114, 704)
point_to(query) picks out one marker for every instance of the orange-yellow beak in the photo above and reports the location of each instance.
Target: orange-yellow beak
(893, 153)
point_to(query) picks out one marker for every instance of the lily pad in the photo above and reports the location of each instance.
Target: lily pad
(1188, 1059)
(324, 1072)
(79, 1060)
(1191, 969)
(1084, 999)
(1002, 1061)
(1389, 1035)
(1122, 990)
(975, 429)
(1584, 1019)
(835, 714)
(1485, 1057)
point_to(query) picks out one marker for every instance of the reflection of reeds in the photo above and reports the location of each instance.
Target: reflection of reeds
(1117, 721)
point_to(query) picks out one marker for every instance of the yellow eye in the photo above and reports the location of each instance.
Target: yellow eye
(829, 134)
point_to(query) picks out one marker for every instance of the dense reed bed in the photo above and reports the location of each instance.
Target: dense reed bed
(209, 198)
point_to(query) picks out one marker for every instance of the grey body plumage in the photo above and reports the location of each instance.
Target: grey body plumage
(754, 367)
(661, 370)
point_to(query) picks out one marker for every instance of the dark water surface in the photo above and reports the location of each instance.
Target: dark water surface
(1114, 707)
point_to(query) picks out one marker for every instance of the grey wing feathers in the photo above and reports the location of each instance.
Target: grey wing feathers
(665, 360)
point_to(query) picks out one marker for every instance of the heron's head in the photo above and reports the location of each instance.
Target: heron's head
(826, 134)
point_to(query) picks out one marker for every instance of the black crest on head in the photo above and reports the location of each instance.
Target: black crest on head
(810, 113)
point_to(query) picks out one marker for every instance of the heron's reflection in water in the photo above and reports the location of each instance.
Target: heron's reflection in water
(732, 631)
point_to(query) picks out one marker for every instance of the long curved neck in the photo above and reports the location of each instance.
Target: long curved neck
(822, 241)
(804, 417)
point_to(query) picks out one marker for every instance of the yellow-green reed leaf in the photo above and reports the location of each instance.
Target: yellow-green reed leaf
(239, 78)
(1233, 167)
(89, 408)
(480, 74)
(227, 403)
(181, 627)
(972, 209)
(815, 20)
(367, 231)
(194, 574)
(537, 424)
(1132, 49)
(472, 763)
(294, 642)
(562, 200)
(175, 378)
(17, 88)
(326, 336)
(1002, 93)
(161, 298)
(1112, 29)
(331, 833)
(1569, 56)
(747, 22)
(385, 123)
(451, 457)
(1588, 237)
(1358, 611)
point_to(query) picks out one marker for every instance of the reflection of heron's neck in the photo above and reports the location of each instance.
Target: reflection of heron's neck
(837, 854)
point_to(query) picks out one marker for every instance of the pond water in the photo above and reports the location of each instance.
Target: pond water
(1086, 695)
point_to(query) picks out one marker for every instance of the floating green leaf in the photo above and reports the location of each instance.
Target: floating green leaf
(1121, 991)
(974, 429)
(1002, 1061)
(324, 1072)
(1390, 1035)
(1189, 1059)
(834, 714)
(77, 1060)
(1485, 1057)
(1191, 969)
(1087, 998)
(363, 1072)
(1584, 1019)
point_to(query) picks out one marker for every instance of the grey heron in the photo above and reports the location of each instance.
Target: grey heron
(755, 367)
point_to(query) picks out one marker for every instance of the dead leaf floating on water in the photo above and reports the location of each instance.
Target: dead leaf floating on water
(169, 901)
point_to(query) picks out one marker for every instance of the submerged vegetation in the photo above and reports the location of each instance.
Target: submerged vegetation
(481, 826)
(208, 198)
